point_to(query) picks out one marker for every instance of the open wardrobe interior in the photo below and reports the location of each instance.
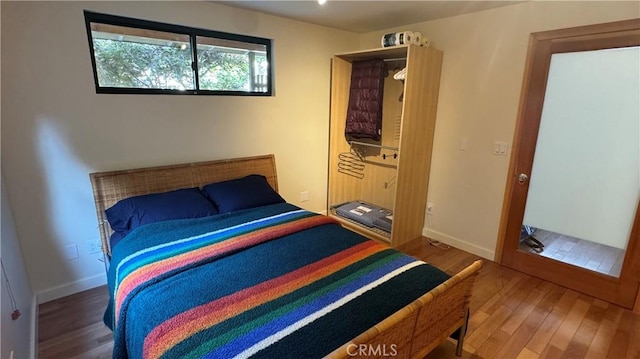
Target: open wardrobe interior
(383, 110)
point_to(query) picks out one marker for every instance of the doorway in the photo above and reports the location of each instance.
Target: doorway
(571, 204)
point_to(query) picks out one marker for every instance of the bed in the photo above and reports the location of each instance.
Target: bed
(268, 280)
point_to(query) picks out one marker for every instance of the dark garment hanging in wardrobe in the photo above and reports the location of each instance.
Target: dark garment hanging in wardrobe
(364, 114)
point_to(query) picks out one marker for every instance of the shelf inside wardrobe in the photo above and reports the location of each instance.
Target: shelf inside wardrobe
(369, 232)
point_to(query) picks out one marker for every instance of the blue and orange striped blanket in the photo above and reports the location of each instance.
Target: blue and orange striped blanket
(272, 282)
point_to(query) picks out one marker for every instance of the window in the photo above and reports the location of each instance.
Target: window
(143, 57)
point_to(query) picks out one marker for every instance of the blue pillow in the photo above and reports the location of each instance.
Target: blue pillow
(133, 212)
(242, 193)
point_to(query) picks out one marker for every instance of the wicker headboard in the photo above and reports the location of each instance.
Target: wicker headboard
(110, 187)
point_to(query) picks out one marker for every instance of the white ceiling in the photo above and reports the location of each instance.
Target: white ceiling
(366, 16)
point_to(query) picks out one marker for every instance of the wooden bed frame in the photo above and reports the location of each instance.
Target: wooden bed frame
(411, 332)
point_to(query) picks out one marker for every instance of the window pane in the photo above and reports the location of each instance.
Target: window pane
(226, 65)
(261, 73)
(134, 56)
(138, 58)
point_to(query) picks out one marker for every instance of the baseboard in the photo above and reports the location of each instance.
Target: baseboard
(71, 288)
(459, 243)
(34, 327)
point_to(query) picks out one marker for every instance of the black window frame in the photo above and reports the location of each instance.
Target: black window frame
(192, 32)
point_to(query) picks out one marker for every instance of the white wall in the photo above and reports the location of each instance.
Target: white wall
(56, 129)
(16, 335)
(585, 178)
(483, 65)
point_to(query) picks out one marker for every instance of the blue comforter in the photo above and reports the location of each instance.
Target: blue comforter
(272, 282)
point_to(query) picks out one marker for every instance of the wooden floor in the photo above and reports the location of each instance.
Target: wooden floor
(513, 316)
(579, 252)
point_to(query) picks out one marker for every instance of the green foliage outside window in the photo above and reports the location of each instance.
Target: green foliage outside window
(139, 65)
(133, 56)
(223, 71)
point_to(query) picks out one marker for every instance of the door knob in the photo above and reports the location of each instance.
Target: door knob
(522, 178)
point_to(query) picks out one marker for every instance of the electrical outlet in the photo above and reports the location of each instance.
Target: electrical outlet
(304, 196)
(429, 208)
(94, 246)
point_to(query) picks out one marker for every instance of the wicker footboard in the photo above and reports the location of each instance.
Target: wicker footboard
(418, 328)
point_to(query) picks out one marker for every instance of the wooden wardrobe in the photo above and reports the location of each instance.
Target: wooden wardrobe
(399, 182)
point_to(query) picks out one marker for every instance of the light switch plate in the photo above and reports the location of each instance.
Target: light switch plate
(500, 148)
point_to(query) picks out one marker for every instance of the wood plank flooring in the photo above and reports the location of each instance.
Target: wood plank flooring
(513, 316)
(579, 252)
(72, 327)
